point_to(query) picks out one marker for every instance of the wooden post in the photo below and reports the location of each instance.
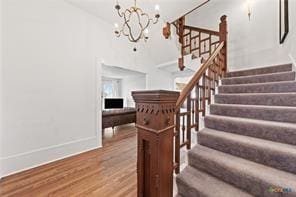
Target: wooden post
(155, 124)
(188, 124)
(166, 31)
(223, 37)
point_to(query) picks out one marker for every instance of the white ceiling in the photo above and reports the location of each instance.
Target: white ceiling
(170, 10)
(158, 49)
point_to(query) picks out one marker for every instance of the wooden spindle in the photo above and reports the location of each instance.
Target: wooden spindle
(177, 143)
(188, 124)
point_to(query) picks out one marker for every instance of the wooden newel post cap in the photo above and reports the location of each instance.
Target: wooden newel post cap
(223, 18)
(155, 96)
(155, 109)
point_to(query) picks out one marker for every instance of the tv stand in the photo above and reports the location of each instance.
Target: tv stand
(117, 117)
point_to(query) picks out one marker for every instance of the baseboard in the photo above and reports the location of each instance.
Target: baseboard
(25, 161)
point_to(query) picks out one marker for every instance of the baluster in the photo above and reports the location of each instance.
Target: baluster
(190, 38)
(197, 107)
(177, 143)
(209, 86)
(204, 94)
(199, 38)
(210, 44)
(183, 129)
(193, 112)
(188, 132)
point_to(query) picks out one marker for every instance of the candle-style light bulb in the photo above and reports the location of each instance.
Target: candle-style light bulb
(146, 32)
(157, 8)
(116, 26)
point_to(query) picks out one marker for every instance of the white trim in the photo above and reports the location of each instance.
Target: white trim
(31, 159)
(292, 60)
(98, 105)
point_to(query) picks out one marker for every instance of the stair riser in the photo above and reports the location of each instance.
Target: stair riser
(272, 100)
(193, 183)
(270, 157)
(259, 88)
(241, 180)
(186, 190)
(273, 114)
(274, 69)
(289, 76)
(263, 131)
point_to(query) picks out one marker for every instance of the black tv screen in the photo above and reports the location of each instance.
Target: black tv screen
(113, 103)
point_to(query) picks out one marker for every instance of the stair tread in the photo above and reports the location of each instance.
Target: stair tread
(263, 78)
(262, 112)
(207, 185)
(257, 93)
(275, 154)
(272, 87)
(261, 70)
(258, 75)
(255, 106)
(255, 121)
(245, 169)
(252, 141)
(283, 132)
(259, 84)
(266, 99)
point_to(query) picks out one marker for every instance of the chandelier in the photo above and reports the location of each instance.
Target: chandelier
(136, 22)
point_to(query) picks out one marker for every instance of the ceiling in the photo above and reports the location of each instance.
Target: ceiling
(170, 10)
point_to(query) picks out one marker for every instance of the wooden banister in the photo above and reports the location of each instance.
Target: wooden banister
(211, 47)
(207, 31)
(197, 76)
(165, 119)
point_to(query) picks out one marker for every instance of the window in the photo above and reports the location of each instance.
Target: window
(111, 88)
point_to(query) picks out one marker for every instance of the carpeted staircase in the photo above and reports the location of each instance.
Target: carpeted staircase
(248, 145)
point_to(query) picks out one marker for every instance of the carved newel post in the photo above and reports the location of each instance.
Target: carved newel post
(223, 37)
(155, 124)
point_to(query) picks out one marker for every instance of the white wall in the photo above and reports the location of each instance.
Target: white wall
(129, 84)
(1, 128)
(251, 43)
(289, 44)
(51, 86)
(159, 80)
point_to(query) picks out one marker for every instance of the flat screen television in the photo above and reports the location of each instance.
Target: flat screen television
(113, 103)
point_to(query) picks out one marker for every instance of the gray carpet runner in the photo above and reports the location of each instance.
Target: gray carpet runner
(248, 145)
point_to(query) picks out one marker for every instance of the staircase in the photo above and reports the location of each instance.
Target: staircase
(248, 145)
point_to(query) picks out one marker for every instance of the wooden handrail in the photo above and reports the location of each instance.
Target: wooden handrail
(207, 31)
(197, 76)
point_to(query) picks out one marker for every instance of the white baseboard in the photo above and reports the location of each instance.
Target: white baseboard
(24, 161)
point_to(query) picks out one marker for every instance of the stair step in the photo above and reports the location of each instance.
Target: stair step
(274, 154)
(250, 176)
(264, 78)
(263, 70)
(278, 99)
(272, 113)
(272, 87)
(192, 183)
(275, 131)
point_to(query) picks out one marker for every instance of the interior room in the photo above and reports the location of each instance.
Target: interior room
(145, 98)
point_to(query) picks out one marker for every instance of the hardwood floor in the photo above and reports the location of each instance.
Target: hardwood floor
(106, 172)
